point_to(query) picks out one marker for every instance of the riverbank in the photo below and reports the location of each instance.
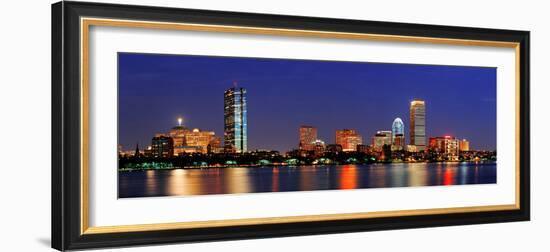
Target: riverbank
(291, 165)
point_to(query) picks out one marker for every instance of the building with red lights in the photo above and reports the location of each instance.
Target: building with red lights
(446, 146)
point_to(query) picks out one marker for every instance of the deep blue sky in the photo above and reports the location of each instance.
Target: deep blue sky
(284, 94)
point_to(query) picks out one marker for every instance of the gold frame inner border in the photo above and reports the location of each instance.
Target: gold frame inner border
(86, 23)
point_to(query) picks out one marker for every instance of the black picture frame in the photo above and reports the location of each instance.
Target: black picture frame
(66, 114)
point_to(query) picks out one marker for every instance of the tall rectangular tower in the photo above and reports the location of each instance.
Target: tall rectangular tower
(235, 122)
(418, 124)
(308, 135)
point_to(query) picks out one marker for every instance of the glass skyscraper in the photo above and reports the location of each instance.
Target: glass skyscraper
(418, 124)
(397, 128)
(235, 123)
(398, 134)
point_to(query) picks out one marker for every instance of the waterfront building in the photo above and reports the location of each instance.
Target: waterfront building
(398, 142)
(235, 120)
(177, 134)
(418, 124)
(334, 148)
(348, 139)
(215, 145)
(318, 147)
(162, 146)
(308, 136)
(198, 141)
(386, 153)
(128, 153)
(148, 151)
(411, 148)
(464, 145)
(446, 147)
(381, 138)
(193, 141)
(265, 153)
(295, 153)
(363, 148)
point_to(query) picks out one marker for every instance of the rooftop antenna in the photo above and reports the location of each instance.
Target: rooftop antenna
(235, 84)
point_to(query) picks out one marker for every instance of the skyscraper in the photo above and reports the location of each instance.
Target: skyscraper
(398, 134)
(308, 135)
(348, 139)
(235, 123)
(418, 124)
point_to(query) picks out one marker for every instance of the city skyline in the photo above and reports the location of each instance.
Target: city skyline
(331, 120)
(185, 140)
(347, 139)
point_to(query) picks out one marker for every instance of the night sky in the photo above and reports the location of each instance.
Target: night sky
(284, 94)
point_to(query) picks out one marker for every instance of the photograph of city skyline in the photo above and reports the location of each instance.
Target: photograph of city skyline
(195, 125)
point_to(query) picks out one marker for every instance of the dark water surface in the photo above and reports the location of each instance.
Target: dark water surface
(303, 178)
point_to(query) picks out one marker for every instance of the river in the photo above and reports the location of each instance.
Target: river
(179, 182)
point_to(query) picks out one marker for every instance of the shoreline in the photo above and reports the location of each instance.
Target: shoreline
(295, 166)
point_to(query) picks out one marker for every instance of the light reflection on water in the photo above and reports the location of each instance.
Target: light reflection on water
(304, 178)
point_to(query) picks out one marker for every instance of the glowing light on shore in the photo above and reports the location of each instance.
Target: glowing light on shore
(180, 121)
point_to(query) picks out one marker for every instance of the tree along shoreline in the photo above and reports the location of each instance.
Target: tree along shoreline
(169, 166)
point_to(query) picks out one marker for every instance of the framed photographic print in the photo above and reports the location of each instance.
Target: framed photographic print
(179, 125)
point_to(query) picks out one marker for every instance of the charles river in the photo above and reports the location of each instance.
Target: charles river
(180, 182)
